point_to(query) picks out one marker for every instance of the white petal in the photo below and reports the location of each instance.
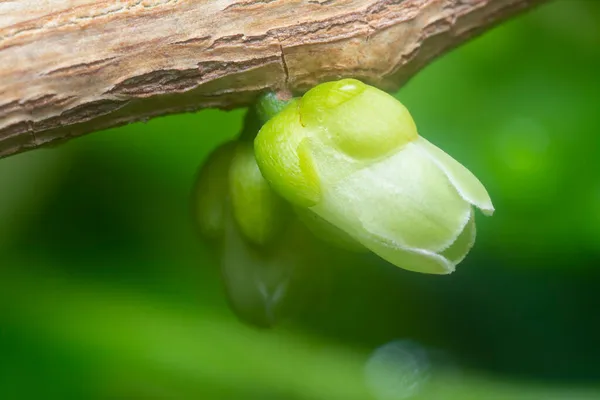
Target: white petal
(327, 232)
(404, 199)
(469, 187)
(465, 241)
(416, 260)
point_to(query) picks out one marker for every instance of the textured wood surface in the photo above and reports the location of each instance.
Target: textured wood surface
(69, 67)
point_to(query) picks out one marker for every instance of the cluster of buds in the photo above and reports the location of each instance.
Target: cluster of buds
(345, 161)
(254, 231)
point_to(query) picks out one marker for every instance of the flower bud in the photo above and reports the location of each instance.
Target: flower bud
(259, 212)
(265, 254)
(351, 154)
(211, 190)
(266, 284)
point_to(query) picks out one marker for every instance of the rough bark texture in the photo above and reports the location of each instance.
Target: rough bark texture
(69, 67)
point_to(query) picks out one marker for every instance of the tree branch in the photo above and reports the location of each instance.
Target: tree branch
(69, 67)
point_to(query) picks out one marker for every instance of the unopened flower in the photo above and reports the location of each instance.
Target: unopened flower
(351, 154)
(236, 209)
(265, 253)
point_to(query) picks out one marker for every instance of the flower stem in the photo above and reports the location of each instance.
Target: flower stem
(271, 103)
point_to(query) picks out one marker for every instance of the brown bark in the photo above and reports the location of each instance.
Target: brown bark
(69, 67)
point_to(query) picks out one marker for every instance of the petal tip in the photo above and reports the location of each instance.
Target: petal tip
(451, 268)
(488, 211)
(447, 270)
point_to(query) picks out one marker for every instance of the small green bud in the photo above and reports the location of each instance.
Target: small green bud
(259, 211)
(350, 153)
(265, 284)
(211, 190)
(264, 252)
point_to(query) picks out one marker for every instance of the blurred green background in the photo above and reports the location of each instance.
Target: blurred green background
(108, 293)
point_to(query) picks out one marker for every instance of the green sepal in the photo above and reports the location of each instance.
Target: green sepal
(359, 120)
(282, 153)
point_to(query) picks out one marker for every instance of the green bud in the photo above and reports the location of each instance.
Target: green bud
(211, 190)
(264, 252)
(265, 284)
(350, 153)
(259, 212)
